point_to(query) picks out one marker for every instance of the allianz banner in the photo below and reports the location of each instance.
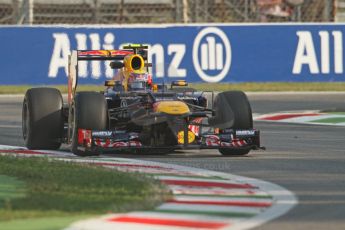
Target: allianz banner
(197, 53)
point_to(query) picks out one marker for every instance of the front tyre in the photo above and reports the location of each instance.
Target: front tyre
(235, 103)
(89, 112)
(42, 119)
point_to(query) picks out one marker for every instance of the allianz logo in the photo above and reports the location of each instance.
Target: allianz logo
(211, 55)
(212, 59)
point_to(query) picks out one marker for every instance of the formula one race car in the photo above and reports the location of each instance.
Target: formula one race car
(134, 114)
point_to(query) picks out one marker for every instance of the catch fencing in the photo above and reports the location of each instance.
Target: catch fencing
(168, 11)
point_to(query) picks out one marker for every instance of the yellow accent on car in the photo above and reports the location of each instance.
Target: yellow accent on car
(134, 63)
(155, 88)
(180, 137)
(134, 45)
(109, 83)
(181, 83)
(171, 107)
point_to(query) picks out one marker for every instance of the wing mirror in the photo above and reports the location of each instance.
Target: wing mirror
(116, 65)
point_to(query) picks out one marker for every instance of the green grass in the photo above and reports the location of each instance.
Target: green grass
(10, 188)
(21, 89)
(44, 223)
(248, 87)
(337, 113)
(332, 120)
(64, 192)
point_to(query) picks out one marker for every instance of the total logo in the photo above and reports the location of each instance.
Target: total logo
(212, 54)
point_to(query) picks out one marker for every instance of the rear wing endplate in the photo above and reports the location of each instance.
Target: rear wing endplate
(72, 74)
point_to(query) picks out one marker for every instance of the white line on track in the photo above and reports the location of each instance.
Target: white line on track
(11, 95)
(296, 93)
(10, 126)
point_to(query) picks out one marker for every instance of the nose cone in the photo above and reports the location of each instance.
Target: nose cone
(171, 107)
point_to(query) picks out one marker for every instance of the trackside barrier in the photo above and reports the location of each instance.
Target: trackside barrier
(197, 53)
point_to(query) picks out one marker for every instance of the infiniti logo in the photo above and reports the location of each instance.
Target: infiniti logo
(212, 54)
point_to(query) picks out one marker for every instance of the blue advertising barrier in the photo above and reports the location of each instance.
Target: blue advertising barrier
(197, 53)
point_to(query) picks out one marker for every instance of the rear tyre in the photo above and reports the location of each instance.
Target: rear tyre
(42, 119)
(235, 109)
(89, 111)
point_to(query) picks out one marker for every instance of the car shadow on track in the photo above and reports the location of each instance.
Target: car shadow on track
(175, 154)
(172, 154)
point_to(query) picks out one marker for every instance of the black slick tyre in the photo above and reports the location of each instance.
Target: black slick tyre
(234, 105)
(89, 111)
(42, 118)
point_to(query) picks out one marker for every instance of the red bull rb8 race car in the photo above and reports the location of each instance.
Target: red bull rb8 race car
(134, 114)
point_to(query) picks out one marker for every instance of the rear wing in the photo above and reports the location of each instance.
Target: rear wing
(113, 54)
(99, 55)
(89, 55)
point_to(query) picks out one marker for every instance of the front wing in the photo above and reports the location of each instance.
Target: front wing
(104, 141)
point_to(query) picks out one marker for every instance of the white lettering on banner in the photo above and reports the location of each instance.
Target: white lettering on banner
(109, 40)
(157, 50)
(324, 35)
(59, 58)
(174, 70)
(338, 52)
(306, 55)
(95, 65)
(212, 54)
(81, 45)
